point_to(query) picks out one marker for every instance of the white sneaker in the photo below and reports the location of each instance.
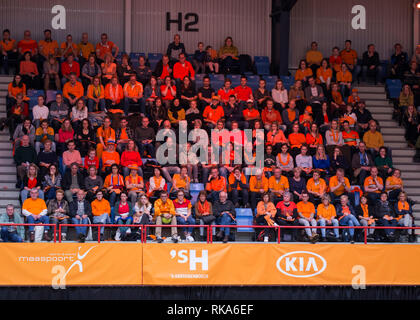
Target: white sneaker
(189, 238)
(265, 239)
(118, 237)
(63, 237)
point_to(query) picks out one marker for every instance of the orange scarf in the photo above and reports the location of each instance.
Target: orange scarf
(203, 207)
(287, 160)
(403, 206)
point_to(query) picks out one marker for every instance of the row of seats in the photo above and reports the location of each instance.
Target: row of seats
(262, 63)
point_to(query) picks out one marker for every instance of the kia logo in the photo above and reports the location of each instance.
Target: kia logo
(301, 264)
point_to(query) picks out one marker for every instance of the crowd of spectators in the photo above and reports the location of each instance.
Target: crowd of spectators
(88, 154)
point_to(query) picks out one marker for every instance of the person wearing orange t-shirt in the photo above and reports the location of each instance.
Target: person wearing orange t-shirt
(134, 183)
(373, 185)
(213, 113)
(104, 133)
(349, 57)
(109, 157)
(250, 113)
(243, 92)
(258, 185)
(133, 96)
(317, 187)
(340, 185)
(303, 73)
(105, 46)
(8, 52)
(277, 185)
(344, 79)
(238, 185)
(324, 75)
(296, 139)
(326, 216)
(183, 69)
(27, 44)
(68, 48)
(306, 213)
(270, 115)
(215, 185)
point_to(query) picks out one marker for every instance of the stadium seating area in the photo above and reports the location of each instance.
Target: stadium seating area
(84, 124)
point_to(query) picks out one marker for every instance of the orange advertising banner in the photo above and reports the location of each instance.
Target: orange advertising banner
(64, 264)
(278, 264)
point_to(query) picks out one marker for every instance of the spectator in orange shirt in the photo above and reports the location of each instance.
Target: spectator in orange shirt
(68, 47)
(251, 114)
(168, 91)
(258, 185)
(276, 137)
(324, 76)
(96, 95)
(183, 69)
(114, 94)
(344, 78)
(108, 68)
(15, 87)
(72, 90)
(48, 47)
(243, 92)
(27, 44)
(109, 157)
(270, 115)
(303, 73)
(215, 185)
(238, 185)
(104, 47)
(133, 96)
(8, 52)
(29, 72)
(213, 113)
(104, 133)
(349, 57)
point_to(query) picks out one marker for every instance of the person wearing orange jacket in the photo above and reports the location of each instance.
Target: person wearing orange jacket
(215, 185)
(266, 212)
(114, 94)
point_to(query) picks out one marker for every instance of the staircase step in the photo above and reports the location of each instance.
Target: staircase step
(397, 145)
(3, 86)
(370, 89)
(5, 202)
(7, 178)
(393, 138)
(6, 153)
(7, 184)
(404, 152)
(382, 116)
(390, 131)
(5, 79)
(372, 96)
(370, 102)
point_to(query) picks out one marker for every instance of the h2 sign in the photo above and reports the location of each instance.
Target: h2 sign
(190, 18)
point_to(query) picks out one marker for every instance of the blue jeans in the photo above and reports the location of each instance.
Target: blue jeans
(322, 222)
(42, 220)
(91, 105)
(102, 219)
(149, 147)
(25, 193)
(120, 220)
(181, 221)
(80, 230)
(7, 236)
(225, 220)
(350, 220)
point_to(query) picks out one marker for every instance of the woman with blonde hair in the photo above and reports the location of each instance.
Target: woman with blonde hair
(321, 160)
(31, 180)
(109, 68)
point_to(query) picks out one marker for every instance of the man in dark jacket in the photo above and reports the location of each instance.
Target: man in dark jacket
(144, 136)
(225, 214)
(385, 214)
(24, 156)
(371, 64)
(80, 213)
(73, 181)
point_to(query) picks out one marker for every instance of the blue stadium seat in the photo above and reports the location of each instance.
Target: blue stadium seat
(134, 56)
(261, 59)
(153, 59)
(244, 221)
(195, 189)
(35, 93)
(244, 212)
(393, 87)
(288, 81)
(218, 77)
(217, 84)
(199, 76)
